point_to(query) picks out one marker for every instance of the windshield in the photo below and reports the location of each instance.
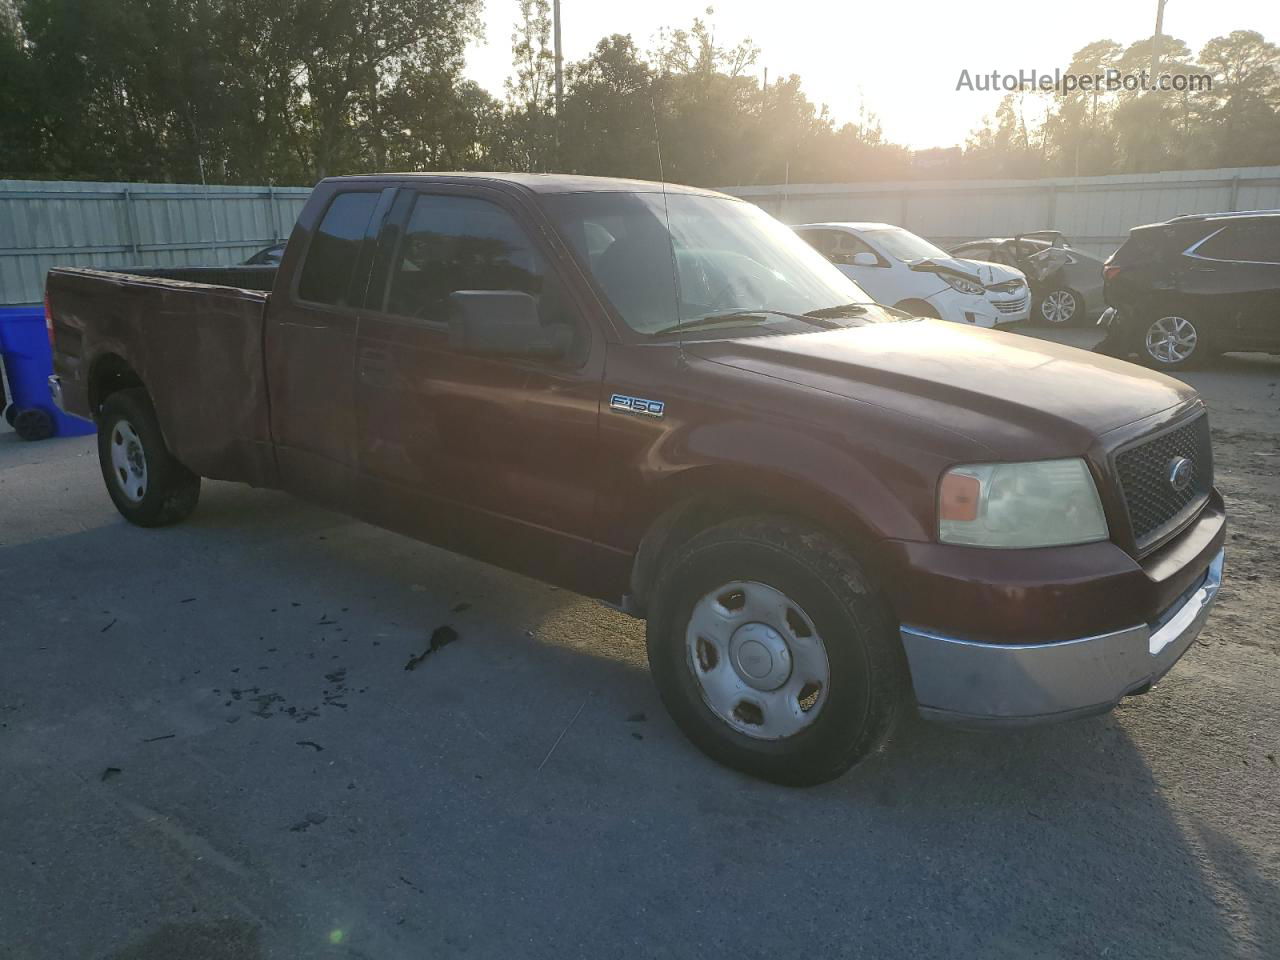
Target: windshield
(721, 257)
(903, 244)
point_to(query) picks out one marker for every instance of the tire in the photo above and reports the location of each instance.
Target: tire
(147, 484)
(1171, 339)
(1060, 307)
(712, 583)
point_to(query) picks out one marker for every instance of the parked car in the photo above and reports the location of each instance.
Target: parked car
(1068, 292)
(903, 270)
(661, 397)
(267, 256)
(1195, 286)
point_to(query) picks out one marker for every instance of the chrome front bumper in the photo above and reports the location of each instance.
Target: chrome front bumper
(998, 683)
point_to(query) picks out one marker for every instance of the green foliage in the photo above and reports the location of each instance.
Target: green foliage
(287, 91)
(1087, 133)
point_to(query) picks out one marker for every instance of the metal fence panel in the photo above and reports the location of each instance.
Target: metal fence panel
(1095, 213)
(80, 224)
(60, 223)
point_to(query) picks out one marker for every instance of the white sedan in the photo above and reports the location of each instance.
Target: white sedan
(899, 269)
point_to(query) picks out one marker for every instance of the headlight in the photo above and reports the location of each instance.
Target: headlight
(963, 285)
(1047, 503)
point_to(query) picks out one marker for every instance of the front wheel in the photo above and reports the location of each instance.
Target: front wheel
(774, 653)
(144, 480)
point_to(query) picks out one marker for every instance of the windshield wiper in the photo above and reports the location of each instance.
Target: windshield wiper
(840, 310)
(736, 316)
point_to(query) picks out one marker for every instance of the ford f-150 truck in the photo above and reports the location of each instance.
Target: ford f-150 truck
(662, 397)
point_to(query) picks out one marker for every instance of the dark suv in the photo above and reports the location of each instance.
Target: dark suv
(1193, 287)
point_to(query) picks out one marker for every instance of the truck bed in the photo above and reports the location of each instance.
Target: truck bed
(186, 338)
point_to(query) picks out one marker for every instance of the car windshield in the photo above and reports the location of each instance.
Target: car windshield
(720, 258)
(904, 244)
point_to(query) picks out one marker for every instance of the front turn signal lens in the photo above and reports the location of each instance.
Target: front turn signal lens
(958, 498)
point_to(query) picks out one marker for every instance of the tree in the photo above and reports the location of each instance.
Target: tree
(1243, 110)
(530, 91)
(609, 112)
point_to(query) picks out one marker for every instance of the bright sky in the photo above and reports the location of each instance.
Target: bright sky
(899, 58)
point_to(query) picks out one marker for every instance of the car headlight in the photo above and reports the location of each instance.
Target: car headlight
(963, 285)
(1046, 503)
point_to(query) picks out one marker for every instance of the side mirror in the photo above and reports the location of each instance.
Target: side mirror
(865, 259)
(503, 323)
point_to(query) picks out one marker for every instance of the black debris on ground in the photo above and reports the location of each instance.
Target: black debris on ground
(311, 820)
(312, 744)
(110, 772)
(440, 637)
(165, 736)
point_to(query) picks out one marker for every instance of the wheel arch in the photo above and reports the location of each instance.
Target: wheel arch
(109, 373)
(704, 497)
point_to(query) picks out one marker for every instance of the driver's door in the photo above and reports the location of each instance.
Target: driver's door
(492, 456)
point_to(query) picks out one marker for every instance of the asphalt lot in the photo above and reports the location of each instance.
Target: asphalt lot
(211, 749)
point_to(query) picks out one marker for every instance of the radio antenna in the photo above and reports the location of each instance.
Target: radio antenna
(666, 214)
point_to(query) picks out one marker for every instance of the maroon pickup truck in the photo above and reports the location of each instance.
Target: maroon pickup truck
(661, 397)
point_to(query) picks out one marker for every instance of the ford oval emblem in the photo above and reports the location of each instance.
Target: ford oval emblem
(1181, 470)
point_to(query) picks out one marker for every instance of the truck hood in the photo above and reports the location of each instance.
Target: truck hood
(988, 273)
(1018, 397)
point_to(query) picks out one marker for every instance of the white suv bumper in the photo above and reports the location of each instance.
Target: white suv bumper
(989, 311)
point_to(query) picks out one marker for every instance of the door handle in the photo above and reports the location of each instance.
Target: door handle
(375, 367)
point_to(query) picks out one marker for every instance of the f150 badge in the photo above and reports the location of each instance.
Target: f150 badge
(625, 404)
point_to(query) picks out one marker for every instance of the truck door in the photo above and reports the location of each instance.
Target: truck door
(311, 343)
(491, 456)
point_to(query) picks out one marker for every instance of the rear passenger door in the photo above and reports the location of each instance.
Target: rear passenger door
(311, 344)
(1239, 266)
(492, 456)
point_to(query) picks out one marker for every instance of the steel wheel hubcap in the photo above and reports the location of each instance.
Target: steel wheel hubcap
(1171, 339)
(757, 660)
(1058, 307)
(128, 461)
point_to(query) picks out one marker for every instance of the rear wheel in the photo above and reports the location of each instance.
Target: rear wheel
(774, 653)
(1059, 307)
(146, 483)
(1171, 341)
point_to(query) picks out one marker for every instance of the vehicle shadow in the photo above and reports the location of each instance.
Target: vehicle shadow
(521, 792)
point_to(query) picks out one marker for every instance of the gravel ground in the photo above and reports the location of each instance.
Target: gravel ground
(212, 750)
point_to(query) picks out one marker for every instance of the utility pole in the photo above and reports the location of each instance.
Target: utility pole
(555, 18)
(1155, 40)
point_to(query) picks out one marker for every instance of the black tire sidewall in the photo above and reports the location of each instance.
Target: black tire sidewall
(171, 487)
(850, 722)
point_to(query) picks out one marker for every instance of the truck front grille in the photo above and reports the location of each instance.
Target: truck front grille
(1159, 505)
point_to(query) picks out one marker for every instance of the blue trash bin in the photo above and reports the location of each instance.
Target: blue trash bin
(28, 364)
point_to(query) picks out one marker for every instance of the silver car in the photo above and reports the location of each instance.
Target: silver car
(1069, 295)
